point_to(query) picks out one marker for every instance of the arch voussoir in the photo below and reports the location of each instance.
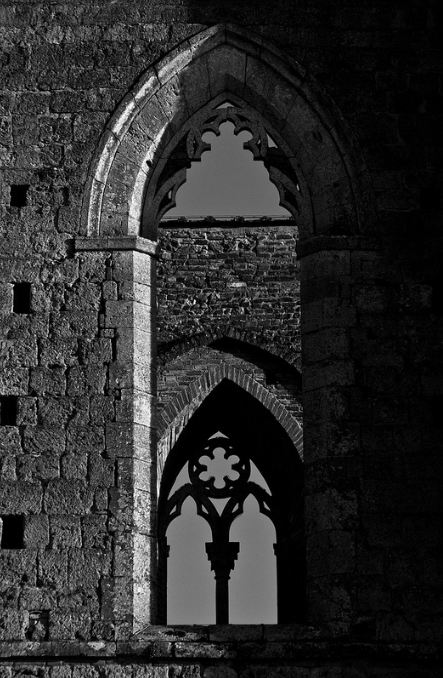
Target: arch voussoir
(221, 60)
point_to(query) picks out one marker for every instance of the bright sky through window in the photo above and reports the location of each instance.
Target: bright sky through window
(227, 181)
(253, 585)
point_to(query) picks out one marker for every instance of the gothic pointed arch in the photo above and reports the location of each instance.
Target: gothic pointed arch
(321, 161)
(156, 132)
(180, 409)
(251, 432)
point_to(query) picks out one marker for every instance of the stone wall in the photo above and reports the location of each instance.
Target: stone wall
(361, 112)
(241, 278)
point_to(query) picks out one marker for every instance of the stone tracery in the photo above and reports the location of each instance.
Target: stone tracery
(235, 486)
(188, 146)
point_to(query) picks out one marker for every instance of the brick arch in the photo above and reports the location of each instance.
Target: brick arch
(221, 60)
(179, 411)
(170, 352)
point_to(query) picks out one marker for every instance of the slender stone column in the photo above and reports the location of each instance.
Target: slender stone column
(222, 558)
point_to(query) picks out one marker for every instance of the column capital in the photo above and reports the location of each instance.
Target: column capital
(118, 242)
(222, 557)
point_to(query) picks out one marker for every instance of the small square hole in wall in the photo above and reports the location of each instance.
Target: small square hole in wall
(8, 410)
(12, 531)
(430, 197)
(437, 410)
(38, 627)
(437, 297)
(21, 302)
(19, 195)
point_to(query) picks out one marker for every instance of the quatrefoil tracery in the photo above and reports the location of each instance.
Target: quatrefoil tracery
(188, 146)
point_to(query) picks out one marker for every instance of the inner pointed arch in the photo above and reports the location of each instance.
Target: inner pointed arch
(227, 181)
(190, 143)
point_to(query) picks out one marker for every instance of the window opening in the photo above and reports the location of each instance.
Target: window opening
(8, 410)
(219, 471)
(190, 580)
(21, 297)
(227, 182)
(256, 185)
(253, 584)
(12, 532)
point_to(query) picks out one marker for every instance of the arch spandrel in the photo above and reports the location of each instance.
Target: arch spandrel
(222, 60)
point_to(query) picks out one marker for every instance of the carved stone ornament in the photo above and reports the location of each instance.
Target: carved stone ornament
(187, 146)
(227, 477)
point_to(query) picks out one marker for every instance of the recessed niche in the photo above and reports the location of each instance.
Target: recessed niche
(21, 297)
(19, 195)
(12, 530)
(8, 410)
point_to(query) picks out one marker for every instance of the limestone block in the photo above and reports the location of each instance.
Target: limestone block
(145, 511)
(41, 468)
(36, 533)
(20, 497)
(137, 407)
(26, 411)
(48, 380)
(6, 297)
(13, 626)
(86, 566)
(85, 439)
(230, 61)
(195, 83)
(65, 532)
(172, 103)
(151, 119)
(59, 353)
(100, 471)
(73, 466)
(53, 569)
(96, 350)
(14, 380)
(69, 625)
(119, 439)
(10, 443)
(84, 380)
(94, 532)
(67, 497)
(101, 409)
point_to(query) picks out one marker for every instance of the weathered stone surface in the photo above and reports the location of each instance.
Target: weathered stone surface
(358, 106)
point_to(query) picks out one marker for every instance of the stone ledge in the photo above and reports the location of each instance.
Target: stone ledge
(253, 643)
(125, 242)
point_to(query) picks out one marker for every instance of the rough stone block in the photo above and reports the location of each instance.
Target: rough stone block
(65, 532)
(36, 533)
(20, 497)
(10, 442)
(67, 497)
